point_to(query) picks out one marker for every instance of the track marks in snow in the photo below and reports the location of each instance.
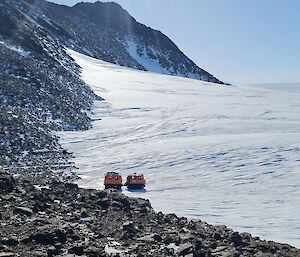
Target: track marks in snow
(223, 154)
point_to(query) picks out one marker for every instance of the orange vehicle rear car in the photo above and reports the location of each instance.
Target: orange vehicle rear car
(113, 180)
(135, 181)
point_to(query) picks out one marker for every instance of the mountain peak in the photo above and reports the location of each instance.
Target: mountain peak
(105, 14)
(99, 3)
(106, 31)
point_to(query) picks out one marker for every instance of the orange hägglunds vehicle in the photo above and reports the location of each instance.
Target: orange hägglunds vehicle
(135, 181)
(113, 180)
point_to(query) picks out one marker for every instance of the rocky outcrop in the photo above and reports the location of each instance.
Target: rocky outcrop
(60, 219)
(40, 91)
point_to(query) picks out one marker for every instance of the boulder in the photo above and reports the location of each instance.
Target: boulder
(7, 183)
(49, 237)
(104, 203)
(52, 251)
(23, 210)
(129, 230)
(95, 252)
(236, 239)
(9, 241)
(157, 237)
(78, 250)
(185, 249)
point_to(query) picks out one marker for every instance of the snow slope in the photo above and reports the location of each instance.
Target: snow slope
(148, 63)
(225, 154)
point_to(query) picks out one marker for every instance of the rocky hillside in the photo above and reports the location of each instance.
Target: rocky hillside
(50, 218)
(40, 91)
(108, 32)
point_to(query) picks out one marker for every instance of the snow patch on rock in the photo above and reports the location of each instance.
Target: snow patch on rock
(146, 61)
(17, 49)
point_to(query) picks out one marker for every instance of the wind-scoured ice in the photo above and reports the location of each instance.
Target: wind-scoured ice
(224, 154)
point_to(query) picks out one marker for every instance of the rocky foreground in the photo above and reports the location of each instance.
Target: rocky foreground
(54, 218)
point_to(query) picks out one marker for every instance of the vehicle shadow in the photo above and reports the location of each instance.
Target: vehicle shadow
(137, 190)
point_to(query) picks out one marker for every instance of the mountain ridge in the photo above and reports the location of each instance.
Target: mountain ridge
(108, 32)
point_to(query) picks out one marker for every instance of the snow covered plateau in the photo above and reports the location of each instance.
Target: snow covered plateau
(223, 154)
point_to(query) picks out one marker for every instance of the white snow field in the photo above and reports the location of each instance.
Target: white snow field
(223, 154)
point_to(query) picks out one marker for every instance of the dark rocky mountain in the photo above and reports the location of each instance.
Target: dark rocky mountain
(108, 32)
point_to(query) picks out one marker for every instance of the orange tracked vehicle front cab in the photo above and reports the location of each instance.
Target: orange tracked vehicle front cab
(113, 180)
(135, 181)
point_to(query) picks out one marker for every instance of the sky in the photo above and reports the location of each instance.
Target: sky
(238, 41)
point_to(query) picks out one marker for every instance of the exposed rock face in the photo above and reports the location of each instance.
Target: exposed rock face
(80, 222)
(40, 91)
(7, 183)
(124, 41)
(108, 32)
